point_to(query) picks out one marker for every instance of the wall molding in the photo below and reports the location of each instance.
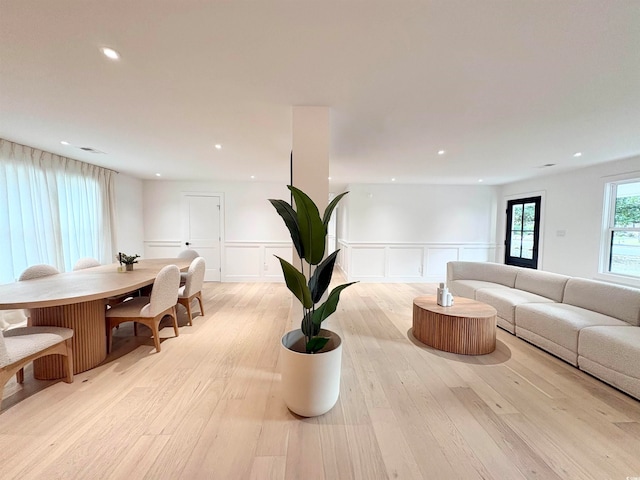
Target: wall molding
(407, 262)
(380, 262)
(240, 261)
(162, 243)
(254, 261)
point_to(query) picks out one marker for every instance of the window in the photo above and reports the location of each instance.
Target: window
(53, 210)
(523, 231)
(622, 229)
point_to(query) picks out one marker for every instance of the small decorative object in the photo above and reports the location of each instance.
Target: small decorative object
(127, 261)
(444, 297)
(311, 356)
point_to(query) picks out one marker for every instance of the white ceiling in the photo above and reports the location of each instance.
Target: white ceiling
(503, 86)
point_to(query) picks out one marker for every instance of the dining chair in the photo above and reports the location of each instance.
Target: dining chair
(86, 262)
(149, 310)
(36, 271)
(20, 346)
(12, 319)
(89, 262)
(193, 286)
(187, 254)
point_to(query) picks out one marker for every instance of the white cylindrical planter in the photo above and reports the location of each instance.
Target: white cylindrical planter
(310, 382)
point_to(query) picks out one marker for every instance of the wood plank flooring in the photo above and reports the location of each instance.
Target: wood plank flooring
(208, 406)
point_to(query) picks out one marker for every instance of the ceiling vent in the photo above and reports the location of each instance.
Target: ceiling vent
(90, 150)
(546, 165)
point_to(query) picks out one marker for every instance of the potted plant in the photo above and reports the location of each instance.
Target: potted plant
(127, 260)
(311, 356)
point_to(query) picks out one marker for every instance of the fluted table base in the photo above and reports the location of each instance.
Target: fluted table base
(468, 327)
(87, 319)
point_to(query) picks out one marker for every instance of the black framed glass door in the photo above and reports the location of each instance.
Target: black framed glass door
(523, 232)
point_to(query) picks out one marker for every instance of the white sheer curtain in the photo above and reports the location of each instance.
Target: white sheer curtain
(53, 210)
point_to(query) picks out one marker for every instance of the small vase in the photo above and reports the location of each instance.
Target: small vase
(129, 267)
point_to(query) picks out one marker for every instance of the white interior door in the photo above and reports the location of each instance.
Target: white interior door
(201, 229)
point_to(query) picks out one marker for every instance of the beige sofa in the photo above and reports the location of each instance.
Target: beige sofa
(592, 325)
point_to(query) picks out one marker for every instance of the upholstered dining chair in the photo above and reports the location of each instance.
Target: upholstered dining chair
(149, 310)
(89, 262)
(86, 262)
(20, 346)
(193, 286)
(186, 254)
(36, 271)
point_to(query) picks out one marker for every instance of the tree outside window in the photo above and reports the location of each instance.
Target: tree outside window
(624, 229)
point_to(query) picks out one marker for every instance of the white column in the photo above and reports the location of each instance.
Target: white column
(310, 167)
(311, 153)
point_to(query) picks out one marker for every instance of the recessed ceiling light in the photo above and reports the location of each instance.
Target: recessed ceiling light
(577, 154)
(158, 174)
(63, 142)
(328, 178)
(252, 177)
(441, 152)
(480, 180)
(393, 179)
(110, 53)
(218, 146)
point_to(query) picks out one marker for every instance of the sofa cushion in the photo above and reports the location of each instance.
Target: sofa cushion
(559, 324)
(612, 354)
(505, 300)
(613, 300)
(617, 348)
(468, 288)
(484, 271)
(545, 284)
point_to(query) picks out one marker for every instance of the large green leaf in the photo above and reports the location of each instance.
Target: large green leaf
(329, 210)
(296, 282)
(316, 344)
(328, 307)
(312, 231)
(319, 281)
(290, 218)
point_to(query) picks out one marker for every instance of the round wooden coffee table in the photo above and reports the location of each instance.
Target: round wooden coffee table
(467, 327)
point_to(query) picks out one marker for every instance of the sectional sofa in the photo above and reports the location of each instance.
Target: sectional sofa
(592, 325)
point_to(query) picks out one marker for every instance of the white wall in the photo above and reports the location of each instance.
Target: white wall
(129, 215)
(407, 233)
(252, 230)
(573, 204)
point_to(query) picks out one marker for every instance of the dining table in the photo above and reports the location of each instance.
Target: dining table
(78, 300)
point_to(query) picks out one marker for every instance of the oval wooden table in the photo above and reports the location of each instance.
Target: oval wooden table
(467, 327)
(77, 300)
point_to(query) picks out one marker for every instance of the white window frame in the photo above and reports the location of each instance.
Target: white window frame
(608, 227)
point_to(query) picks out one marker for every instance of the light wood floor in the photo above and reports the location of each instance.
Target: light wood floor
(209, 405)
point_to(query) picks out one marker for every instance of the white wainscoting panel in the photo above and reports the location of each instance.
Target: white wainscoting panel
(271, 264)
(406, 262)
(478, 254)
(242, 262)
(368, 262)
(161, 248)
(254, 261)
(437, 259)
